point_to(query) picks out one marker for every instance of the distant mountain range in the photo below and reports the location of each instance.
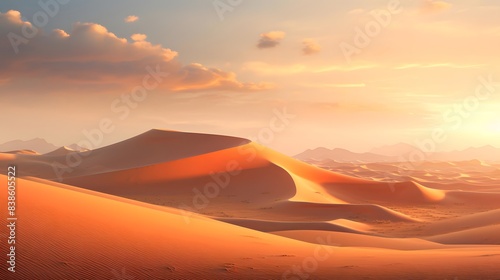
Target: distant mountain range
(38, 145)
(399, 152)
(341, 155)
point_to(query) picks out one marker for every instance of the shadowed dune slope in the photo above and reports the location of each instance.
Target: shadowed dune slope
(346, 239)
(477, 220)
(373, 192)
(480, 235)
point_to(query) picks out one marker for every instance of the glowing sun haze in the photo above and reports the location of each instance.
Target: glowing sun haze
(354, 74)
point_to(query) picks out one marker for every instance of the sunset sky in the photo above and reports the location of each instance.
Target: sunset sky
(354, 74)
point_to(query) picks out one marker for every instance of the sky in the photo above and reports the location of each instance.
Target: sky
(288, 74)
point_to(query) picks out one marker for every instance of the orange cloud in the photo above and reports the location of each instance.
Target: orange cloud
(270, 39)
(92, 55)
(139, 37)
(310, 47)
(131, 18)
(435, 6)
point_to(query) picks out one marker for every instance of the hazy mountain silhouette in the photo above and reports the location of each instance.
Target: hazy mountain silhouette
(38, 144)
(400, 152)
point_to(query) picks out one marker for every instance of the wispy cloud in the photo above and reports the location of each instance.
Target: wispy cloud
(270, 39)
(139, 37)
(131, 18)
(289, 69)
(340, 85)
(310, 47)
(436, 65)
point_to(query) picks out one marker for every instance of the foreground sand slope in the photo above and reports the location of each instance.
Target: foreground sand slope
(69, 233)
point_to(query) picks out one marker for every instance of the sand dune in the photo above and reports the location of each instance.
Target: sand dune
(327, 212)
(154, 146)
(475, 220)
(268, 226)
(481, 198)
(63, 151)
(22, 152)
(345, 239)
(405, 192)
(479, 235)
(6, 157)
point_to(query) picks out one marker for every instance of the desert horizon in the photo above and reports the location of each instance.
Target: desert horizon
(236, 139)
(389, 152)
